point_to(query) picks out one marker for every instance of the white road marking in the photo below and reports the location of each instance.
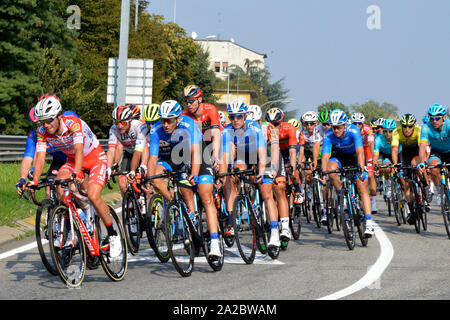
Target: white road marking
(374, 272)
(21, 249)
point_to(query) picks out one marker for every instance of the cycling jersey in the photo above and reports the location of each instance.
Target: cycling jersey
(399, 138)
(367, 135)
(209, 119)
(382, 146)
(438, 141)
(318, 133)
(133, 140)
(347, 144)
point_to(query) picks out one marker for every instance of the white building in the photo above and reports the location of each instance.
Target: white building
(224, 53)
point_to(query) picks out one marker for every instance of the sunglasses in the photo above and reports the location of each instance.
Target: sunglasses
(237, 116)
(46, 121)
(435, 118)
(410, 127)
(387, 131)
(357, 123)
(122, 123)
(310, 123)
(379, 127)
(337, 127)
(169, 121)
(326, 124)
(190, 101)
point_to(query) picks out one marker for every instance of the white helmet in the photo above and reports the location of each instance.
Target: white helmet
(236, 106)
(170, 109)
(358, 117)
(338, 117)
(310, 116)
(48, 107)
(221, 116)
(379, 122)
(254, 112)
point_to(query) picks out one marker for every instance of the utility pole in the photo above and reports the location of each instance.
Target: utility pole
(136, 15)
(123, 53)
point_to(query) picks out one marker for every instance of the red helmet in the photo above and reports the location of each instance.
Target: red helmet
(192, 92)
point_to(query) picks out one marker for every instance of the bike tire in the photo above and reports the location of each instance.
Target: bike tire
(347, 220)
(445, 209)
(181, 245)
(416, 204)
(217, 263)
(263, 221)
(131, 223)
(316, 208)
(115, 268)
(396, 202)
(328, 207)
(43, 213)
(244, 230)
(360, 223)
(70, 261)
(155, 228)
(295, 222)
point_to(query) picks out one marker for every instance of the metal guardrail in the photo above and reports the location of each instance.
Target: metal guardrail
(13, 147)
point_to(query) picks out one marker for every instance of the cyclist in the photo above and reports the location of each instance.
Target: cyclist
(343, 146)
(319, 132)
(222, 118)
(377, 126)
(382, 151)
(255, 114)
(243, 146)
(26, 170)
(73, 136)
(283, 140)
(435, 134)
(132, 134)
(175, 142)
(367, 135)
(408, 135)
(426, 119)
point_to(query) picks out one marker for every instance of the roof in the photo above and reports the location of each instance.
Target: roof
(261, 54)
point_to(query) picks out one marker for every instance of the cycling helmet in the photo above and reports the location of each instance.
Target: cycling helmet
(122, 113)
(295, 123)
(324, 116)
(408, 119)
(358, 117)
(425, 119)
(437, 110)
(151, 113)
(373, 123)
(31, 116)
(135, 111)
(221, 117)
(254, 112)
(170, 109)
(379, 122)
(192, 92)
(48, 107)
(310, 116)
(389, 124)
(236, 106)
(274, 115)
(338, 117)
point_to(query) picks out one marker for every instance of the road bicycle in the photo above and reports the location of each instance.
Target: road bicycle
(77, 243)
(295, 210)
(444, 194)
(186, 235)
(397, 195)
(351, 214)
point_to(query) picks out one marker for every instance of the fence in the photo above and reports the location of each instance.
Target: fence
(13, 147)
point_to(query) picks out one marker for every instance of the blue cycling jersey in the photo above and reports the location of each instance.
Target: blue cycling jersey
(169, 146)
(246, 140)
(30, 148)
(347, 144)
(439, 141)
(381, 145)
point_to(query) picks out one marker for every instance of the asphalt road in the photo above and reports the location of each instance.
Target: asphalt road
(397, 264)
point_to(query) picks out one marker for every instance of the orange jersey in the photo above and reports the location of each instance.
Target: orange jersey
(209, 119)
(287, 136)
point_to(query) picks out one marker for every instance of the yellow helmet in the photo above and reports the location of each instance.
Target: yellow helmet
(151, 113)
(295, 123)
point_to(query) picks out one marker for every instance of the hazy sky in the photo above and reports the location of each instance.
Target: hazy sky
(325, 50)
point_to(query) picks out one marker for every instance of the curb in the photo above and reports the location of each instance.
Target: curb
(10, 234)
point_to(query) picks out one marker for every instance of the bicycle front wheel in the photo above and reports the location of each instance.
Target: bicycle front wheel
(130, 219)
(115, 267)
(67, 247)
(345, 212)
(41, 229)
(155, 228)
(244, 231)
(180, 240)
(445, 208)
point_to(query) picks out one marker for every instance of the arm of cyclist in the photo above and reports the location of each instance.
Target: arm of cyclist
(79, 156)
(195, 164)
(316, 151)
(361, 162)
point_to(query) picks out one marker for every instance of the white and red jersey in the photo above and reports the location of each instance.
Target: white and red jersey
(133, 140)
(367, 135)
(75, 131)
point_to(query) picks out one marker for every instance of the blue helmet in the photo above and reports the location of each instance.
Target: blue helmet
(237, 106)
(338, 117)
(437, 110)
(389, 124)
(170, 109)
(426, 118)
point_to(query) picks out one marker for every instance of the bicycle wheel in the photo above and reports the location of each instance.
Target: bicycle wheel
(264, 223)
(41, 229)
(307, 205)
(215, 263)
(295, 221)
(114, 267)
(416, 204)
(396, 203)
(244, 231)
(67, 247)
(180, 242)
(424, 214)
(316, 207)
(445, 208)
(131, 223)
(155, 228)
(345, 212)
(360, 223)
(331, 206)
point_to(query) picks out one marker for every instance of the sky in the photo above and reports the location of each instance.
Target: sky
(336, 50)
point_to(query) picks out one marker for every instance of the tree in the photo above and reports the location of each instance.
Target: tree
(372, 109)
(333, 105)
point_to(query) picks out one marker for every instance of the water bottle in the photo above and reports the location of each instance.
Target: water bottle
(143, 205)
(83, 217)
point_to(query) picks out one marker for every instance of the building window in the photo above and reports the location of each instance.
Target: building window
(217, 66)
(224, 66)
